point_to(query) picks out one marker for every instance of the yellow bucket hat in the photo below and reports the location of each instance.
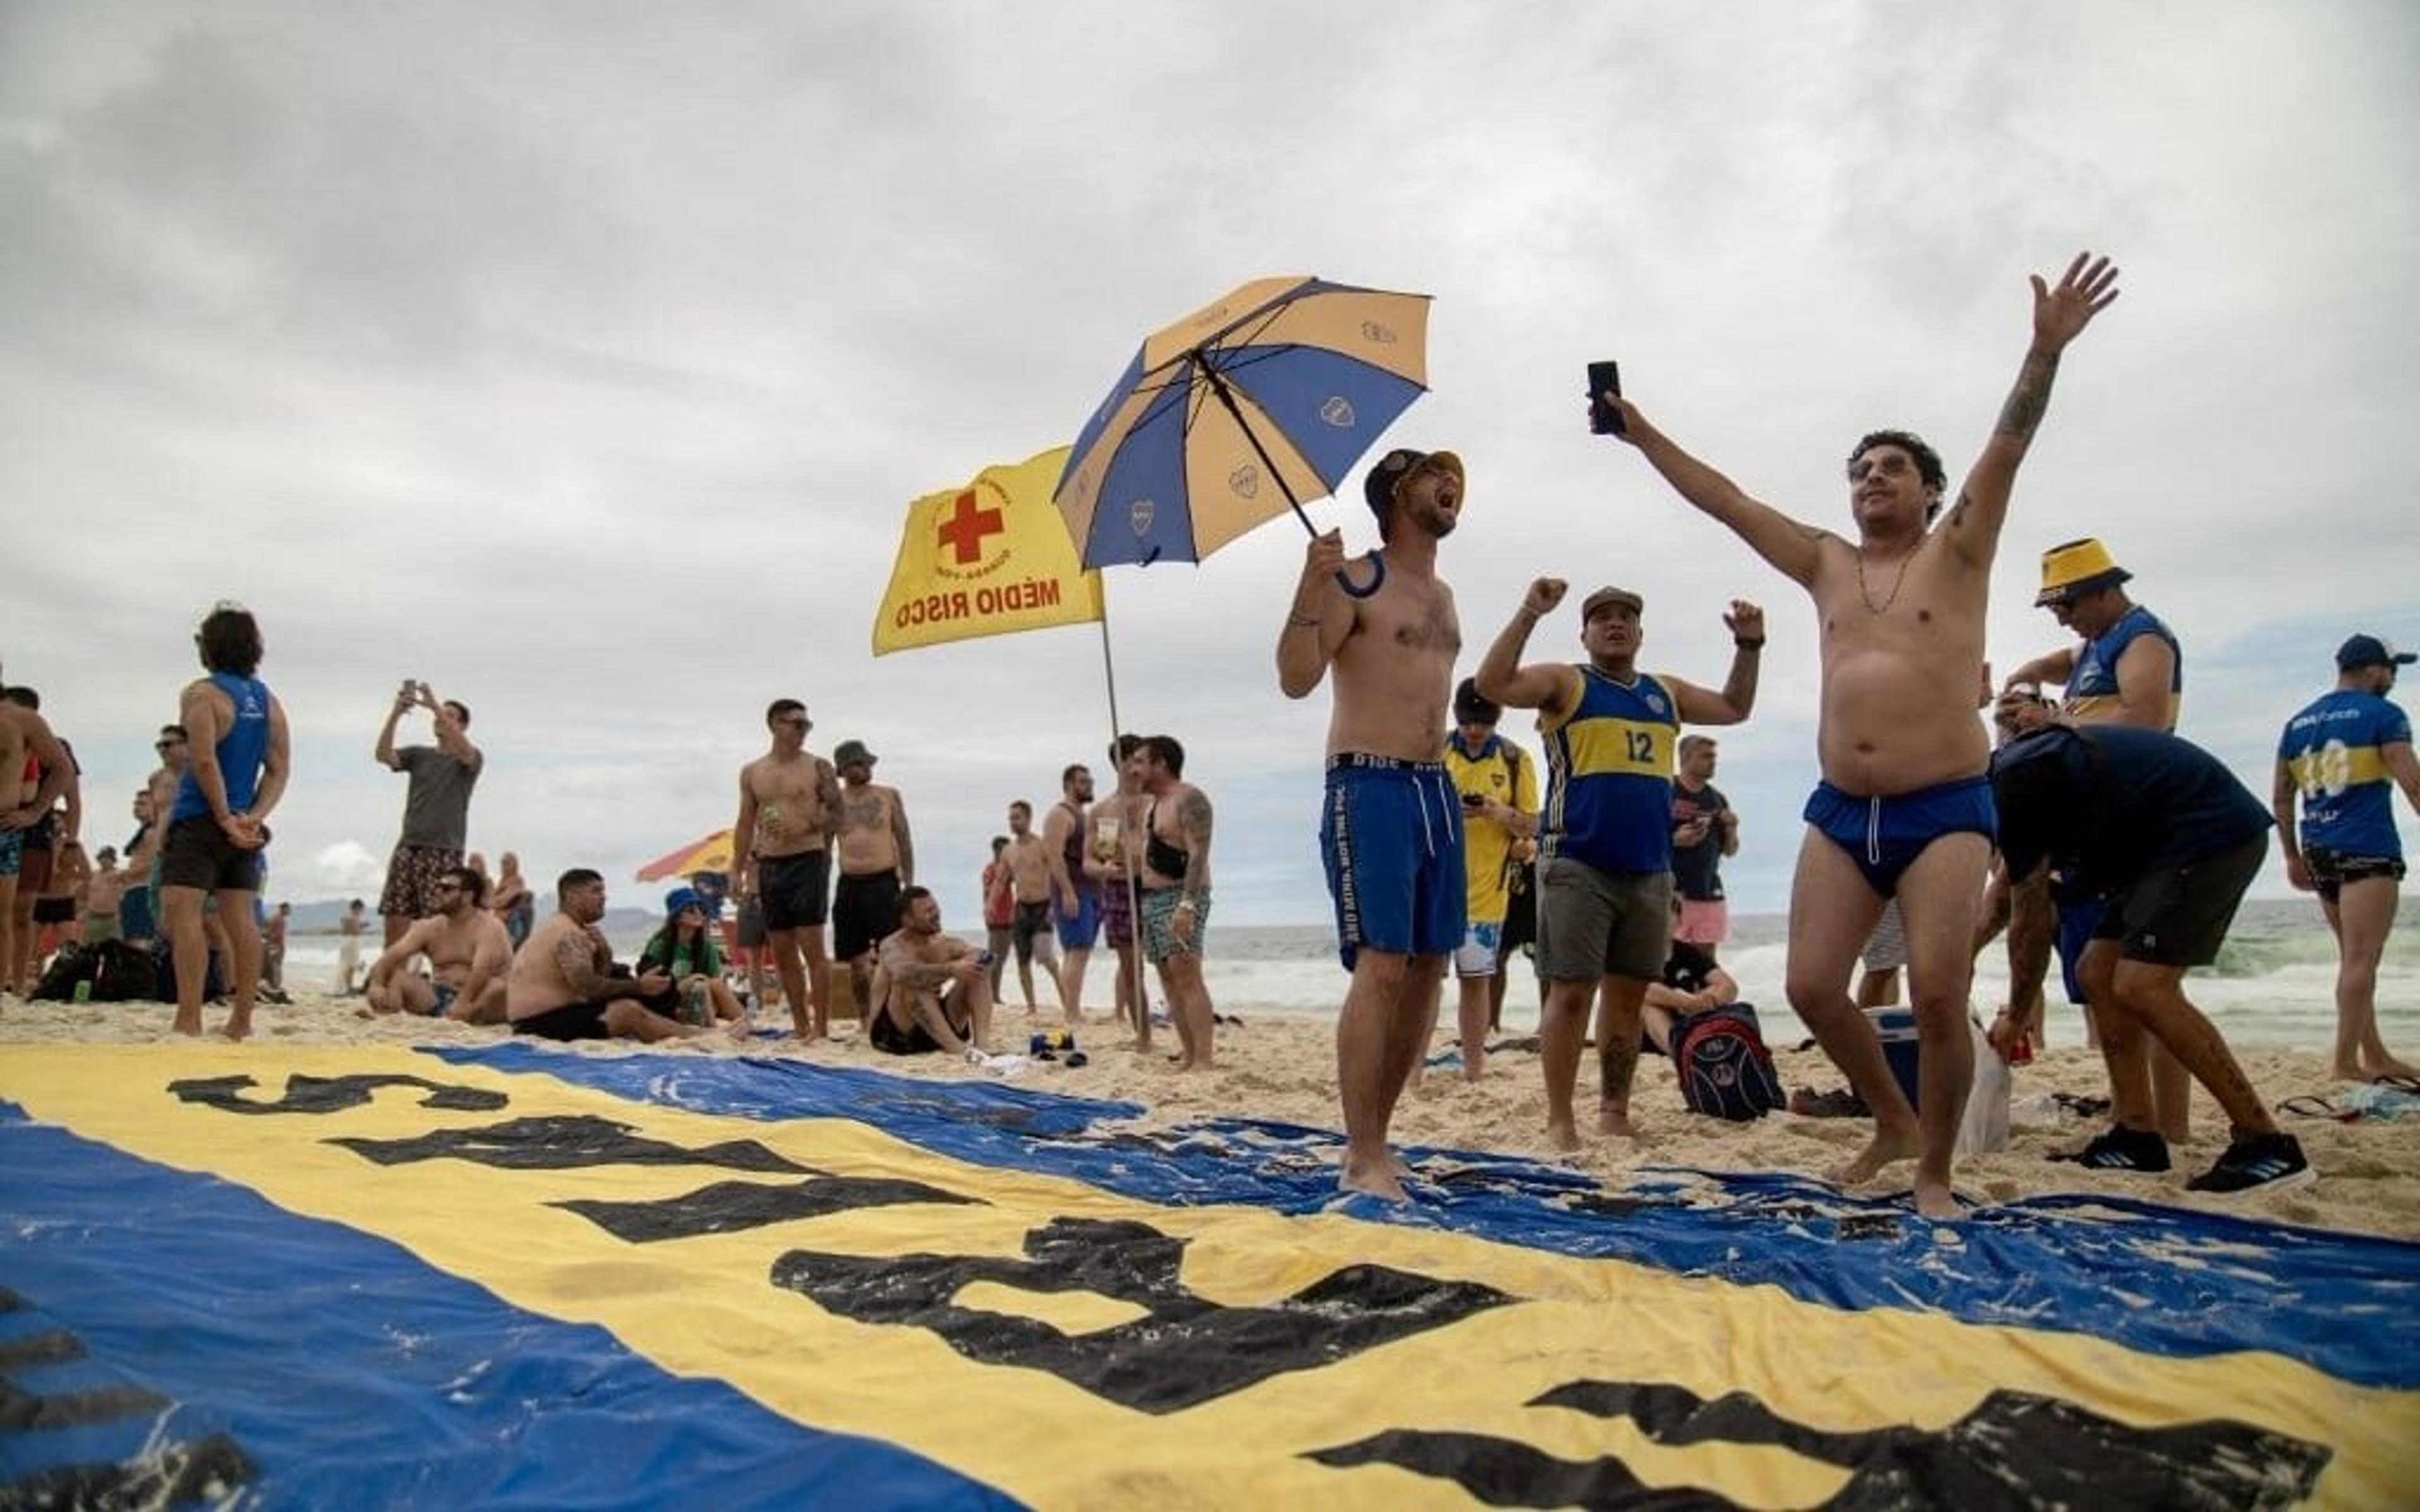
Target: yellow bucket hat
(2073, 566)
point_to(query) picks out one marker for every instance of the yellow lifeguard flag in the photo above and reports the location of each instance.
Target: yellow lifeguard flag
(991, 558)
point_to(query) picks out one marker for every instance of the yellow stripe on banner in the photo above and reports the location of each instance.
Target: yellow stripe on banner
(1629, 748)
(705, 1304)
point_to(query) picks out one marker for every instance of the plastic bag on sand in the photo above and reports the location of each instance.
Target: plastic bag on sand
(1985, 1128)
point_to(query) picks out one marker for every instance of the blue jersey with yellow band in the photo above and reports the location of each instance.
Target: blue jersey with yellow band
(2335, 751)
(1609, 774)
(2092, 689)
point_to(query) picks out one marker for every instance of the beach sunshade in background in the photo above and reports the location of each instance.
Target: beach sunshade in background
(710, 854)
(1244, 409)
(991, 557)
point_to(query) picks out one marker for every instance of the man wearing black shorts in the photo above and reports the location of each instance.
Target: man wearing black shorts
(562, 984)
(789, 810)
(217, 824)
(2163, 834)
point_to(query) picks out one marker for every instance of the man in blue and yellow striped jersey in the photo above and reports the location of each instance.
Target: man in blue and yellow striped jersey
(2340, 755)
(1606, 869)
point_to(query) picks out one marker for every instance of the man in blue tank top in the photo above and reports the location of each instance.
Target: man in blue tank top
(1604, 868)
(2129, 671)
(2343, 756)
(217, 826)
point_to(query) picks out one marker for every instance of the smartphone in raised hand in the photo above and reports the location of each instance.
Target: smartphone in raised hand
(1604, 379)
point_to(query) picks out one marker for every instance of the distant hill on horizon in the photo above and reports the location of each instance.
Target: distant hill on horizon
(321, 918)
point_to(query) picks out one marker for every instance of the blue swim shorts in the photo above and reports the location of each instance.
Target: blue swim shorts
(12, 851)
(1390, 838)
(1884, 836)
(1079, 930)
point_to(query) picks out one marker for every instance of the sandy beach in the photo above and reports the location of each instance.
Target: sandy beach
(1282, 1068)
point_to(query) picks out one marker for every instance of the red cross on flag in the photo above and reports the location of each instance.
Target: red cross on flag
(989, 558)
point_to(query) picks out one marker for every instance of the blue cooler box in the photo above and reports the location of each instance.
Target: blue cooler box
(1896, 1028)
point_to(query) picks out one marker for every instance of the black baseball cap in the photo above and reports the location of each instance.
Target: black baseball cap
(2370, 651)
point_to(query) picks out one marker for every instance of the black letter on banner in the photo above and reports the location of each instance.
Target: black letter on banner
(152, 1474)
(1183, 1353)
(2014, 1449)
(561, 1142)
(330, 1094)
(728, 1207)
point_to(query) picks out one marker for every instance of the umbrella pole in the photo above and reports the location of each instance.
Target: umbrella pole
(1227, 397)
(1134, 901)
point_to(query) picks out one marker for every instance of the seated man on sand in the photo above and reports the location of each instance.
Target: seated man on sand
(1692, 983)
(933, 990)
(468, 952)
(563, 986)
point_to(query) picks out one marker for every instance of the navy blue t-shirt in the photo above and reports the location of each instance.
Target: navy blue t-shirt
(2115, 804)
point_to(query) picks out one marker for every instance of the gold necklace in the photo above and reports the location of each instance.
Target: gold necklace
(1897, 583)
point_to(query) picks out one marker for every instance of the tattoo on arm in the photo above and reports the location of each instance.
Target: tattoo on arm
(2022, 414)
(907, 970)
(1193, 817)
(575, 957)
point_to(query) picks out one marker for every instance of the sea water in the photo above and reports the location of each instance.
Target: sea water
(2272, 985)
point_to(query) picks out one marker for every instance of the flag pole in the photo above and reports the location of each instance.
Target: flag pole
(1134, 902)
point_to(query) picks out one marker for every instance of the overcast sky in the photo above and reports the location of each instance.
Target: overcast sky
(581, 359)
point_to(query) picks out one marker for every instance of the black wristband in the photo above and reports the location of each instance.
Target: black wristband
(1750, 646)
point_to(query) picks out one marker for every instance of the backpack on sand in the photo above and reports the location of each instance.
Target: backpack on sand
(1724, 1070)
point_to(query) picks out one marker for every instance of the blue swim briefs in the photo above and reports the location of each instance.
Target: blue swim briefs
(1884, 836)
(1390, 838)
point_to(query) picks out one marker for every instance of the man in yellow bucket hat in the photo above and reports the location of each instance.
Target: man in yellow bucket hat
(1904, 809)
(2128, 670)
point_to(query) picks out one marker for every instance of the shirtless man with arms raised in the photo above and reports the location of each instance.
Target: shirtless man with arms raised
(23, 733)
(1391, 833)
(876, 859)
(1904, 809)
(467, 949)
(789, 810)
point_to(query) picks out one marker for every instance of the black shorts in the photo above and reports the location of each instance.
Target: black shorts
(1032, 920)
(2331, 870)
(573, 1021)
(796, 889)
(2180, 917)
(865, 908)
(891, 1040)
(197, 853)
(55, 910)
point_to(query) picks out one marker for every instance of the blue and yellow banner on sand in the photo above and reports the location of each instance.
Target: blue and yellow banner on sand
(513, 1276)
(991, 558)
